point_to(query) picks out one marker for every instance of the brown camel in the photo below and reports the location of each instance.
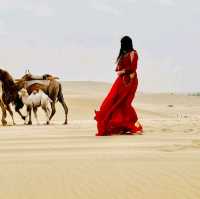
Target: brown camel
(8, 94)
(52, 88)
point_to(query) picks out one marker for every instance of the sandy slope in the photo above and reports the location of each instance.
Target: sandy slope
(59, 162)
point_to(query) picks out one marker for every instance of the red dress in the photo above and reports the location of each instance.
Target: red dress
(116, 114)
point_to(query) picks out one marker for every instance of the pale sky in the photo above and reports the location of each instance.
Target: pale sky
(80, 40)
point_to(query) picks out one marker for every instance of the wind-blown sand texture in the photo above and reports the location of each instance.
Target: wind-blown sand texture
(59, 162)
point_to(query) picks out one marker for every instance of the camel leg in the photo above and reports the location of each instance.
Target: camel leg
(17, 109)
(11, 113)
(65, 109)
(4, 122)
(29, 109)
(35, 114)
(53, 110)
(21, 115)
(46, 113)
(62, 101)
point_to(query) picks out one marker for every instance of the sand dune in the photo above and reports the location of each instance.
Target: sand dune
(59, 162)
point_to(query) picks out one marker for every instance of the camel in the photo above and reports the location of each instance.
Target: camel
(35, 100)
(49, 85)
(8, 95)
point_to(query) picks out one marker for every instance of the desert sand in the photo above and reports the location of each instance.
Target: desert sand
(69, 162)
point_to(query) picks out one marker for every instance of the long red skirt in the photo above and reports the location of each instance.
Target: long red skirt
(116, 114)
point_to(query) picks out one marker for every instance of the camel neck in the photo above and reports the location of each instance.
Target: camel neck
(25, 99)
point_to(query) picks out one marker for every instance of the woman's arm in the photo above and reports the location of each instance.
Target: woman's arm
(121, 72)
(133, 65)
(130, 69)
(132, 75)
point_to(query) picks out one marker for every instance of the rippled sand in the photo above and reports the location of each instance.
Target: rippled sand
(59, 162)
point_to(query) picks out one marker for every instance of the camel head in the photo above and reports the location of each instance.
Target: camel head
(22, 93)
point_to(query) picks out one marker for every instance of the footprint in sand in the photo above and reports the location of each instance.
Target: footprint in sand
(196, 143)
(188, 130)
(173, 148)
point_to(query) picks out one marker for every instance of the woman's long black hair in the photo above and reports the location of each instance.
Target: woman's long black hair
(126, 46)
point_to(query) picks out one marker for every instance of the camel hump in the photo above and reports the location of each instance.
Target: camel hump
(29, 77)
(41, 82)
(49, 77)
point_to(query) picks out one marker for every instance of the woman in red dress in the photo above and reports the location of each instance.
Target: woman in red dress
(116, 114)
